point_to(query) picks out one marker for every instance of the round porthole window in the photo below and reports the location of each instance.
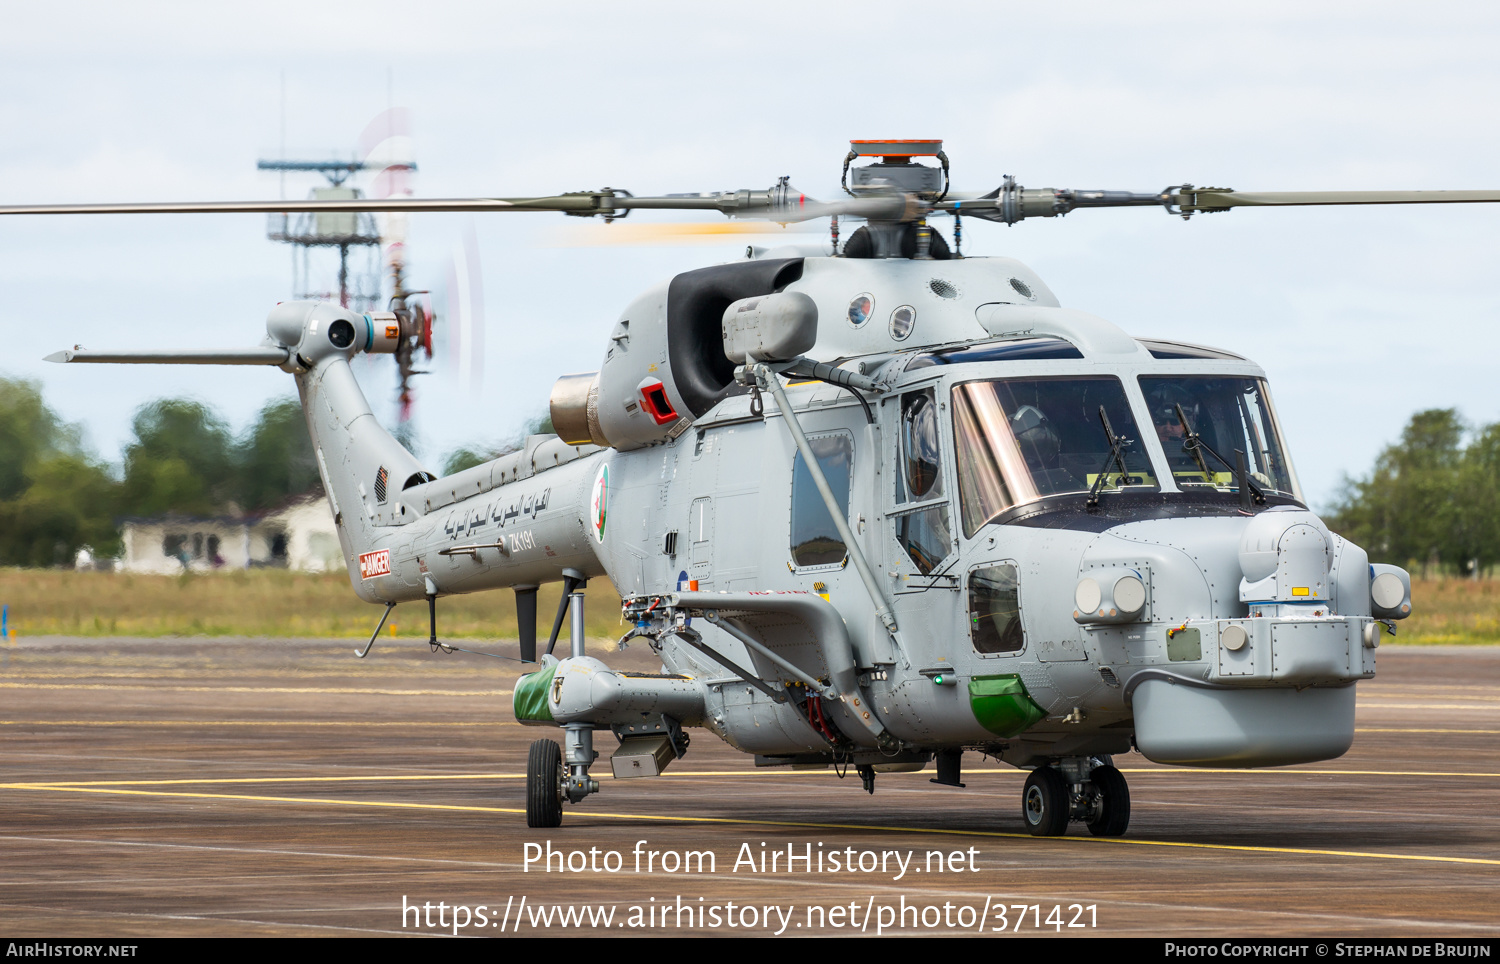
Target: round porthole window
(861, 309)
(902, 321)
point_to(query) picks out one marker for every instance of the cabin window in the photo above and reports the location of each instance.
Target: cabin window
(926, 536)
(815, 538)
(995, 610)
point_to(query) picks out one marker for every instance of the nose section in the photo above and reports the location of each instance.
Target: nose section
(1302, 560)
(1153, 571)
(1286, 556)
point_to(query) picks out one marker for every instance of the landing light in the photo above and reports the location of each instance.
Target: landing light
(1110, 596)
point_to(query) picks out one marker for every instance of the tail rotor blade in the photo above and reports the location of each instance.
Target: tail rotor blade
(460, 338)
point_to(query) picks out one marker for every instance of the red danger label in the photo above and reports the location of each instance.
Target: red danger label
(372, 564)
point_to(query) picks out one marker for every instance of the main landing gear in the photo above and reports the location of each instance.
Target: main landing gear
(1088, 790)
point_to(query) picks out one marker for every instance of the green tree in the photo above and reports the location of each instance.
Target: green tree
(472, 455)
(1476, 506)
(466, 458)
(54, 498)
(274, 459)
(182, 460)
(1407, 511)
(29, 432)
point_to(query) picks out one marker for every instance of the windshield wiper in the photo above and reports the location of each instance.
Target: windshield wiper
(1116, 455)
(1192, 442)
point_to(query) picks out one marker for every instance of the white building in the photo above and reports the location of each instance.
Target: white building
(300, 536)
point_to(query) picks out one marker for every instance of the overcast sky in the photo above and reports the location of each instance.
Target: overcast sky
(1360, 317)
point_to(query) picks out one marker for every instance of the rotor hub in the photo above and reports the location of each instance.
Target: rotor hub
(895, 170)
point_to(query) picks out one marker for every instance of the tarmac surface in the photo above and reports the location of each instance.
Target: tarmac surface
(284, 788)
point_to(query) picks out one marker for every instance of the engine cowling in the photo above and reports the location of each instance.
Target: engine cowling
(666, 364)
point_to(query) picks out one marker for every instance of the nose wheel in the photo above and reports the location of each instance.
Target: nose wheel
(545, 784)
(1056, 795)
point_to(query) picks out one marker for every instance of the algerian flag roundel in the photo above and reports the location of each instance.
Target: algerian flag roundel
(599, 504)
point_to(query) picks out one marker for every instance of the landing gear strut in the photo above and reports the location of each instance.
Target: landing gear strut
(552, 773)
(1088, 790)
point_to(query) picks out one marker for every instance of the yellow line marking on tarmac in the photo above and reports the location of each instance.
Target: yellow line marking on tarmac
(411, 723)
(1477, 704)
(1290, 772)
(368, 778)
(1119, 841)
(252, 689)
(71, 784)
(403, 674)
(424, 723)
(1392, 729)
(417, 724)
(1427, 706)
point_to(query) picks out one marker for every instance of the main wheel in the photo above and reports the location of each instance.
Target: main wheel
(544, 785)
(1114, 814)
(1045, 804)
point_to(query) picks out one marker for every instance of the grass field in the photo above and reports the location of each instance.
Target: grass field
(264, 602)
(271, 602)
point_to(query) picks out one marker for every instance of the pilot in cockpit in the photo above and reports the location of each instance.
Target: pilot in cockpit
(1042, 449)
(1163, 401)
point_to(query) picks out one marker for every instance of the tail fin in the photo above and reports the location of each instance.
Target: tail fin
(361, 464)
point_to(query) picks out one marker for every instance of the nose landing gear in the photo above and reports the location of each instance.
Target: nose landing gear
(544, 785)
(1088, 790)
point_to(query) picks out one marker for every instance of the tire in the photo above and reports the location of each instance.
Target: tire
(544, 785)
(1045, 804)
(1114, 815)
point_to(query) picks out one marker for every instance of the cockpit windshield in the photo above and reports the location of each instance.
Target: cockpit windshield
(1230, 414)
(1019, 439)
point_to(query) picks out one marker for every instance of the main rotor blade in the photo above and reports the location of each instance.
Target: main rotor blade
(184, 356)
(1210, 199)
(781, 204)
(1010, 202)
(583, 203)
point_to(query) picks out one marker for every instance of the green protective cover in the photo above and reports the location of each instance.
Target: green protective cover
(1001, 704)
(530, 697)
(1185, 646)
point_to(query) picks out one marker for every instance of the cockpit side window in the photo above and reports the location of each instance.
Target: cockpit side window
(925, 532)
(921, 476)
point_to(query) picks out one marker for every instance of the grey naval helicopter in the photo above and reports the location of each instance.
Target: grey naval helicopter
(873, 505)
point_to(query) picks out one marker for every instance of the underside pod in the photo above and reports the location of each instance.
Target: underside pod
(1192, 726)
(748, 721)
(584, 690)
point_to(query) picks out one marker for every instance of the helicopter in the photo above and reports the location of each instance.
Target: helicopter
(873, 505)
